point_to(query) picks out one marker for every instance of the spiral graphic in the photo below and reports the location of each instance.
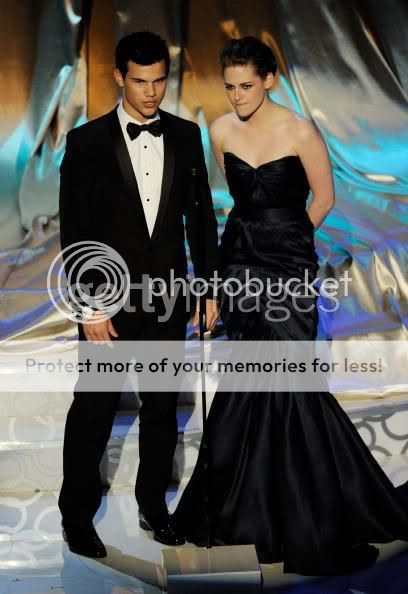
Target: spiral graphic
(82, 261)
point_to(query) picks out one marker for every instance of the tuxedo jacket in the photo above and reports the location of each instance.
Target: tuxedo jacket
(100, 201)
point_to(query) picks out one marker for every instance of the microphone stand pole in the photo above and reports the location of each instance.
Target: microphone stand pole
(205, 446)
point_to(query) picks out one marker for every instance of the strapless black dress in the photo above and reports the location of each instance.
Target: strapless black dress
(289, 471)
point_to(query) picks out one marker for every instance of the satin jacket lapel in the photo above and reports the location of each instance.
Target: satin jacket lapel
(125, 165)
(168, 173)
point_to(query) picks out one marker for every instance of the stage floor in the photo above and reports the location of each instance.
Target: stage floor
(35, 560)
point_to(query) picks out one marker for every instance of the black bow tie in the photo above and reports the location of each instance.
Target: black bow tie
(154, 128)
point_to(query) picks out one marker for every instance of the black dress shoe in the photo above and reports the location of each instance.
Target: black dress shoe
(163, 529)
(84, 542)
(267, 557)
(363, 556)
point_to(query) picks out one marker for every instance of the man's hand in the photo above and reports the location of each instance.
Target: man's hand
(99, 329)
(211, 315)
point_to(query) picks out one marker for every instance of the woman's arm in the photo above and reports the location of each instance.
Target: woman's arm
(312, 151)
(217, 134)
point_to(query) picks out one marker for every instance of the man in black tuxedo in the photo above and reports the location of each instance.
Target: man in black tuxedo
(126, 181)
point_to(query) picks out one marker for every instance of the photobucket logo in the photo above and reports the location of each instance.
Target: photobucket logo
(82, 262)
(278, 298)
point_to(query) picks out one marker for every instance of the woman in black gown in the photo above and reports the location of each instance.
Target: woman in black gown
(289, 471)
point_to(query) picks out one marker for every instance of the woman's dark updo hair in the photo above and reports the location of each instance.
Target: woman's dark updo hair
(248, 50)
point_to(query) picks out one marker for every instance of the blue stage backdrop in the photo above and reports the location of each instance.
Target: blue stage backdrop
(340, 63)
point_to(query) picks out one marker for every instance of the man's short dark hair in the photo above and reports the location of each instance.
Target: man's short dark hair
(142, 47)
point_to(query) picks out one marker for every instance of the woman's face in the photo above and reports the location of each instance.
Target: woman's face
(246, 90)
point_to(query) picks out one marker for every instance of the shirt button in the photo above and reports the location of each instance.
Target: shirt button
(145, 147)
(147, 173)
(148, 199)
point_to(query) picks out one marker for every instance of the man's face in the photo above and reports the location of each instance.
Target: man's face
(143, 88)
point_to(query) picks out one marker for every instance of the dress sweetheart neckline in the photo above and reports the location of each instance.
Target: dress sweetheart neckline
(262, 164)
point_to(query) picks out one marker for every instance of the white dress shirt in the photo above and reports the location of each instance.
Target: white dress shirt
(147, 156)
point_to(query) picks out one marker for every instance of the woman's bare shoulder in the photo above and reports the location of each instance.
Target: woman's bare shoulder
(221, 127)
(301, 127)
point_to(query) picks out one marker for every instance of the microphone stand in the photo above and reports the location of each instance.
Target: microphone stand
(202, 309)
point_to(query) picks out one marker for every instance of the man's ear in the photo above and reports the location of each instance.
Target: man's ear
(118, 77)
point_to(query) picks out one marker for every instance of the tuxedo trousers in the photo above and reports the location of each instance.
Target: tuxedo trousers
(88, 427)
